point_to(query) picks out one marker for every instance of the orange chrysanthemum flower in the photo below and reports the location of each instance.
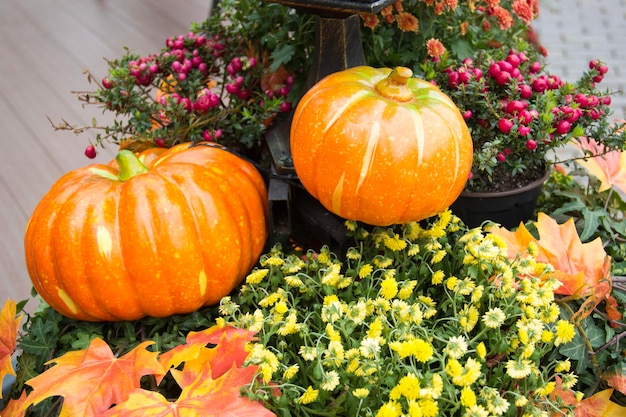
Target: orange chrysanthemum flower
(451, 4)
(370, 20)
(435, 48)
(407, 22)
(523, 10)
(505, 20)
(463, 28)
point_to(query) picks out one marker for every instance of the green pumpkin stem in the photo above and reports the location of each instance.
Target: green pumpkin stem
(129, 165)
(394, 86)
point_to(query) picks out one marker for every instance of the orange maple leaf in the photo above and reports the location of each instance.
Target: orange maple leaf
(228, 347)
(609, 167)
(599, 405)
(582, 268)
(16, 408)
(9, 325)
(616, 380)
(218, 397)
(93, 379)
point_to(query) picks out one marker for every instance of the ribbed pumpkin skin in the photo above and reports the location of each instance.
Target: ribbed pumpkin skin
(168, 241)
(376, 159)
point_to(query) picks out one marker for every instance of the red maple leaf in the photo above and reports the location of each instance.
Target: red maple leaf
(205, 396)
(227, 347)
(92, 380)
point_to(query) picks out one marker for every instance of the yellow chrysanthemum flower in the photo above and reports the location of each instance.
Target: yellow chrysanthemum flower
(395, 243)
(309, 396)
(429, 407)
(290, 372)
(409, 386)
(331, 381)
(451, 283)
(382, 261)
(414, 249)
(365, 270)
(494, 317)
(361, 393)
(274, 260)
(437, 277)
(546, 389)
(481, 350)
(564, 331)
(390, 409)
(256, 276)
(332, 275)
(351, 225)
(406, 289)
(518, 369)
(389, 288)
(468, 397)
(563, 366)
(568, 381)
(411, 231)
(293, 281)
(468, 317)
(420, 349)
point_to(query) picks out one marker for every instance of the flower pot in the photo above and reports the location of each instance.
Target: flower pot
(508, 208)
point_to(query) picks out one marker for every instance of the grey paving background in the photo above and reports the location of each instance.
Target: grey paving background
(577, 31)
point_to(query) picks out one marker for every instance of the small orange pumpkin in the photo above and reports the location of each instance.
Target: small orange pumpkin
(380, 146)
(107, 244)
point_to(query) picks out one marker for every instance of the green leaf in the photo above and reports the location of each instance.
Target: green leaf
(281, 55)
(592, 221)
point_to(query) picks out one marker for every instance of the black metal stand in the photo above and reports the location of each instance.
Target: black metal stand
(338, 46)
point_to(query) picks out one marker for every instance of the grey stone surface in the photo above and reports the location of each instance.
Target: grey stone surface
(577, 31)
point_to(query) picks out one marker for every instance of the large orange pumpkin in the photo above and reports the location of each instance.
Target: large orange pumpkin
(380, 146)
(107, 244)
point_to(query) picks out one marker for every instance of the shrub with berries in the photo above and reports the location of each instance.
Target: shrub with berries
(225, 81)
(518, 112)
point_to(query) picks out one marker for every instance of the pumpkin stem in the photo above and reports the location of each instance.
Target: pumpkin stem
(394, 86)
(129, 165)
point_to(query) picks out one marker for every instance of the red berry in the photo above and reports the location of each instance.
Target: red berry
(285, 106)
(106, 83)
(90, 152)
(535, 67)
(516, 106)
(514, 60)
(523, 130)
(467, 115)
(525, 91)
(503, 77)
(606, 100)
(505, 125)
(500, 157)
(531, 145)
(160, 142)
(539, 85)
(563, 127)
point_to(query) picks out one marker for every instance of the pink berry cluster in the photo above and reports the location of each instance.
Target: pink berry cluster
(195, 89)
(517, 111)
